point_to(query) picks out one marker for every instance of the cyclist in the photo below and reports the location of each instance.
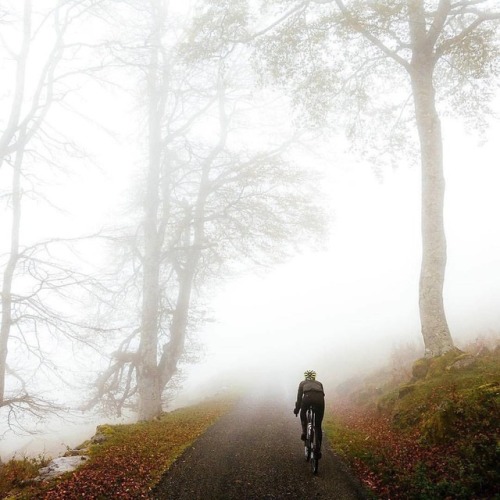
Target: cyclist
(310, 393)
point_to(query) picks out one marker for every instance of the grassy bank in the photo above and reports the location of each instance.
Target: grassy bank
(127, 464)
(434, 437)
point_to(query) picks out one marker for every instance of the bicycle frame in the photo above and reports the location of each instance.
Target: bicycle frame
(311, 449)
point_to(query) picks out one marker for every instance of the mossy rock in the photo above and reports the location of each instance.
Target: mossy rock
(440, 364)
(406, 389)
(103, 433)
(386, 403)
(420, 368)
(461, 362)
(106, 429)
(438, 426)
(492, 388)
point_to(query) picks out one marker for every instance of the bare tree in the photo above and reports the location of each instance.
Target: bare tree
(366, 61)
(207, 201)
(35, 276)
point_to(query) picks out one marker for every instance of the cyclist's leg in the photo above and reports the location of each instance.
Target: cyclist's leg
(303, 419)
(320, 412)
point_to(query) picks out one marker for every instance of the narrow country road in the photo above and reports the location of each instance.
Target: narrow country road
(255, 452)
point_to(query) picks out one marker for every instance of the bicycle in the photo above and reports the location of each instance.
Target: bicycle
(311, 445)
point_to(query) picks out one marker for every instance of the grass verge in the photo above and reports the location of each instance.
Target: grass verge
(433, 438)
(128, 464)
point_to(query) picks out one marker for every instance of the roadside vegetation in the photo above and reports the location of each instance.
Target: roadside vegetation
(128, 462)
(432, 436)
(421, 430)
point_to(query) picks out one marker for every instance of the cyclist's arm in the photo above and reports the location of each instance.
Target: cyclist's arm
(300, 393)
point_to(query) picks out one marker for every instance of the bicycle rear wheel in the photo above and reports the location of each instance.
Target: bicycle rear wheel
(314, 462)
(308, 443)
(314, 452)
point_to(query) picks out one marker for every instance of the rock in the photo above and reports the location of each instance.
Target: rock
(462, 362)
(405, 389)
(483, 352)
(60, 466)
(74, 453)
(420, 368)
(98, 438)
(102, 434)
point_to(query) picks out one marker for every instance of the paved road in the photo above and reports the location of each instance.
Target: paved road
(255, 453)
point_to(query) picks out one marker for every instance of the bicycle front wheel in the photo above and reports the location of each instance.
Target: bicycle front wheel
(314, 462)
(308, 444)
(314, 454)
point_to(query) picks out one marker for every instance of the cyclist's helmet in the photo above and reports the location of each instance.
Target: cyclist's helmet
(310, 375)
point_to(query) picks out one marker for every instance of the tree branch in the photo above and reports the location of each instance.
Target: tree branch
(482, 18)
(357, 26)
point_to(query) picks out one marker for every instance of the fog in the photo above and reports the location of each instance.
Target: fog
(342, 309)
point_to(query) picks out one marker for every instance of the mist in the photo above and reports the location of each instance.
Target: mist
(358, 300)
(314, 263)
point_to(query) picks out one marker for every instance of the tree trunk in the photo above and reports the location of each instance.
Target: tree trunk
(147, 371)
(6, 141)
(11, 128)
(435, 331)
(8, 276)
(175, 348)
(148, 381)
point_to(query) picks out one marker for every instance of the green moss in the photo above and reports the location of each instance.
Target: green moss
(439, 364)
(444, 397)
(420, 368)
(447, 421)
(387, 402)
(106, 429)
(437, 426)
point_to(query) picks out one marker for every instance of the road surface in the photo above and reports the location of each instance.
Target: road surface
(254, 453)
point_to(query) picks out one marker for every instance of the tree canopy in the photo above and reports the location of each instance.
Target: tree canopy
(358, 66)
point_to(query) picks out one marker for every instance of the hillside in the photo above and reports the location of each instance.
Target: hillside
(430, 437)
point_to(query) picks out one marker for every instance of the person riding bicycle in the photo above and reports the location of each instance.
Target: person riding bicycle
(310, 393)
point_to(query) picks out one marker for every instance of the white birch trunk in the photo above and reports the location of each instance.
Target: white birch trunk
(435, 331)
